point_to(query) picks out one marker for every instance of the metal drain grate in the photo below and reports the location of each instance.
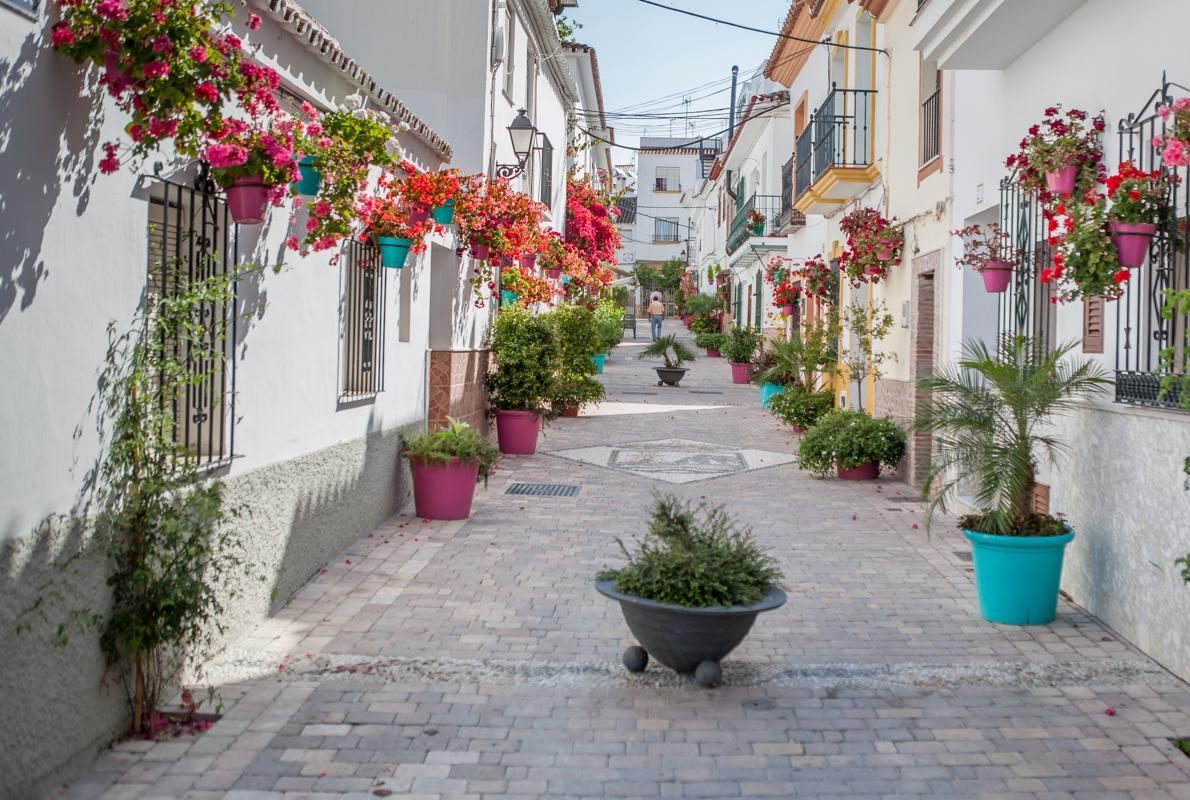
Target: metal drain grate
(543, 490)
(646, 394)
(704, 391)
(964, 555)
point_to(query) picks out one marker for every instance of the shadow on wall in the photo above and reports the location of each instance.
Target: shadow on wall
(50, 113)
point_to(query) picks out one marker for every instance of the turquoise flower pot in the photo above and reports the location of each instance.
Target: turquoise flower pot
(393, 251)
(311, 178)
(445, 213)
(507, 298)
(599, 360)
(1017, 577)
(767, 392)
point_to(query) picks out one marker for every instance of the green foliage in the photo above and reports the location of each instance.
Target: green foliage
(989, 416)
(1185, 562)
(1177, 379)
(579, 392)
(457, 440)
(867, 327)
(695, 557)
(850, 439)
(741, 345)
(566, 28)
(667, 277)
(711, 341)
(671, 350)
(701, 304)
(805, 358)
(801, 408)
(578, 333)
(610, 315)
(704, 324)
(527, 355)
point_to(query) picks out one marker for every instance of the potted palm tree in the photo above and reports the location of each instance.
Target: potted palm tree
(990, 416)
(446, 465)
(674, 353)
(693, 590)
(522, 385)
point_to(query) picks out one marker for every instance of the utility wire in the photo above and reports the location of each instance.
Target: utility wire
(778, 34)
(690, 143)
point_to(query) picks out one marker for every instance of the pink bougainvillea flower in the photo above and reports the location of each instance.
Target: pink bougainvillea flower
(253, 22)
(1111, 712)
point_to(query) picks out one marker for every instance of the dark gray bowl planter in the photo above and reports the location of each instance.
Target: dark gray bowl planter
(670, 377)
(686, 639)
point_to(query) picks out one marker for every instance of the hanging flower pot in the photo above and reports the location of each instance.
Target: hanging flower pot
(1132, 241)
(1062, 181)
(445, 213)
(787, 310)
(419, 213)
(528, 261)
(311, 179)
(248, 200)
(555, 273)
(997, 275)
(884, 254)
(507, 298)
(393, 251)
(480, 251)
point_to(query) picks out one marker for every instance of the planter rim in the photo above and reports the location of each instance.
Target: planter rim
(1018, 542)
(1131, 227)
(518, 411)
(672, 369)
(454, 462)
(998, 265)
(774, 599)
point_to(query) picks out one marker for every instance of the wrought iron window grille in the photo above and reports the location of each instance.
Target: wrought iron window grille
(363, 322)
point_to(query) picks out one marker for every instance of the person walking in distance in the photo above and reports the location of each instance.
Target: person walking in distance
(656, 314)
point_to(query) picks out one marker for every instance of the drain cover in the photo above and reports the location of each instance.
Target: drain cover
(647, 394)
(704, 391)
(964, 555)
(543, 490)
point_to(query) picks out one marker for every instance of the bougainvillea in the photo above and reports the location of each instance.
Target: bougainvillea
(169, 65)
(529, 287)
(818, 280)
(1175, 143)
(1061, 139)
(874, 246)
(264, 148)
(510, 224)
(786, 293)
(590, 226)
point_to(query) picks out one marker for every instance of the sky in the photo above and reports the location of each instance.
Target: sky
(647, 53)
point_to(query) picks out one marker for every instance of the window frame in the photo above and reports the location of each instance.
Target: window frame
(658, 178)
(658, 222)
(362, 333)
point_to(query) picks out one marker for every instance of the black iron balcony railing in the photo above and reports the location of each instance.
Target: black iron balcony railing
(760, 215)
(843, 130)
(931, 127)
(804, 172)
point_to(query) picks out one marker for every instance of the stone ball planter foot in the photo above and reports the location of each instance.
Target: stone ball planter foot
(687, 640)
(670, 377)
(635, 659)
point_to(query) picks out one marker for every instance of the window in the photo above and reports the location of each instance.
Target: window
(191, 238)
(930, 93)
(668, 179)
(665, 229)
(509, 53)
(547, 172)
(363, 322)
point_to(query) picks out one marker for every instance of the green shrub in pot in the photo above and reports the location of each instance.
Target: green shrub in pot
(741, 345)
(525, 349)
(711, 341)
(457, 440)
(847, 439)
(799, 408)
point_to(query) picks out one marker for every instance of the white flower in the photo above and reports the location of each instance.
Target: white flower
(393, 148)
(354, 102)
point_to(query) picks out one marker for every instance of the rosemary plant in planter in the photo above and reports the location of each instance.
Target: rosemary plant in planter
(692, 590)
(853, 443)
(741, 346)
(522, 385)
(990, 415)
(674, 353)
(446, 465)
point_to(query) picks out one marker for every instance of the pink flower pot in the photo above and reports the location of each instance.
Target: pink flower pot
(248, 200)
(884, 255)
(570, 411)
(739, 372)
(528, 261)
(797, 428)
(1132, 241)
(997, 275)
(555, 273)
(480, 251)
(787, 310)
(1062, 181)
(864, 472)
(516, 432)
(419, 214)
(444, 491)
(712, 353)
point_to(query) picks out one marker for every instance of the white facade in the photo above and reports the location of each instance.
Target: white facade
(664, 170)
(591, 137)
(1122, 486)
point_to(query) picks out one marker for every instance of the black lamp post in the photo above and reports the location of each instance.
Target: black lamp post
(524, 141)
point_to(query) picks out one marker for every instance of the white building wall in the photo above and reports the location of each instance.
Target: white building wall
(652, 204)
(1122, 486)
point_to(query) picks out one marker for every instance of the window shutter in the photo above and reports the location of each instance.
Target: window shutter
(547, 172)
(1093, 324)
(759, 301)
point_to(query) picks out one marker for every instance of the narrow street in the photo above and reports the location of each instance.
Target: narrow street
(475, 659)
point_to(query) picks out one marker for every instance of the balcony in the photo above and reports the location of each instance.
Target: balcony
(835, 160)
(984, 34)
(931, 128)
(743, 226)
(789, 217)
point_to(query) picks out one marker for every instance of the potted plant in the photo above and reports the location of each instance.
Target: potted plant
(579, 339)
(1060, 155)
(787, 295)
(756, 222)
(713, 343)
(852, 443)
(800, 409)
(762, 362)
(1175, 142)
(799, 361)
(610, 316)
(1085, 261)
(739, 349)
(818, 280)
(525, 349)
(874, 246)
(1138, 199)
(674, 353)
(431, 194)
(446, 465)
(988, 250)
(254, 163)
(990, 416)
(386, 222)
(692, 590)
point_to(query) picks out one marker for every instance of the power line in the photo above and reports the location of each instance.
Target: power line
(778, 34)
(690, 143)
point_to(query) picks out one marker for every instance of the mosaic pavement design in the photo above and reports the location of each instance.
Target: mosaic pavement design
(676, 460)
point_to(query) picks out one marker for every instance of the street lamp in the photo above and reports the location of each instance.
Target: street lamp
(524, 138)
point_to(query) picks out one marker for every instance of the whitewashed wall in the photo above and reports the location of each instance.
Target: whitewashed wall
(1122, 487)
(652, 204)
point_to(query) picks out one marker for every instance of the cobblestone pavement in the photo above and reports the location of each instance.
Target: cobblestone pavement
(475, 660)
